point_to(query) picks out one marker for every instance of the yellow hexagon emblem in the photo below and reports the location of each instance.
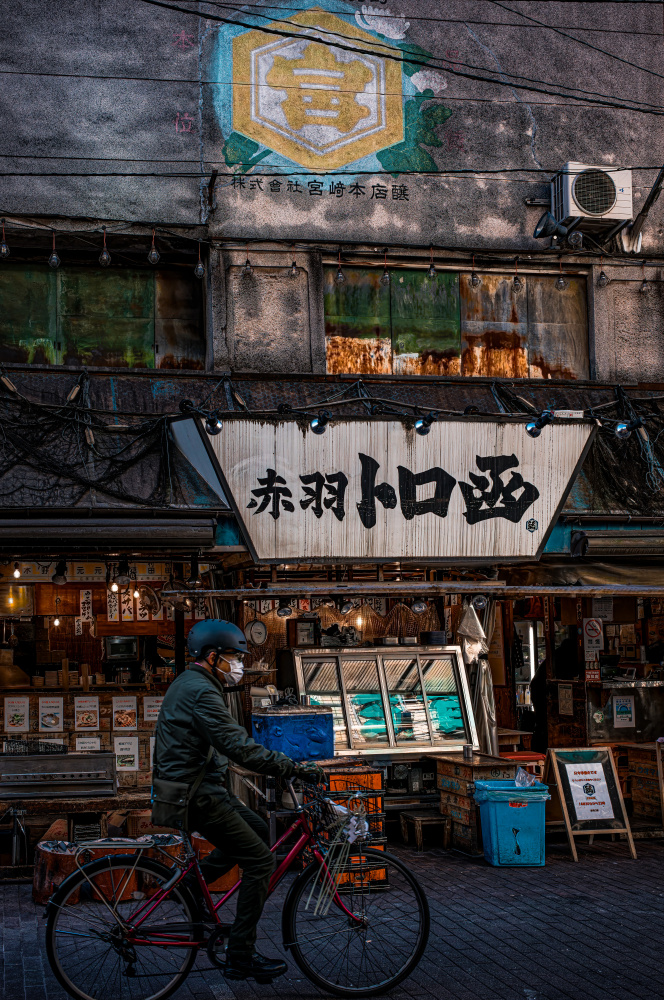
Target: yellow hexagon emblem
(316, 103)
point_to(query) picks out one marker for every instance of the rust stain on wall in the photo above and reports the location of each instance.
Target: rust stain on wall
(350, 355)
(495, 353)
(429, 362)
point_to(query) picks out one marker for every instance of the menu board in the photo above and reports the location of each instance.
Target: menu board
(17, 715)
(126, 753)
(86, 713)
(125, 713)
(151, 706)
(50, 715)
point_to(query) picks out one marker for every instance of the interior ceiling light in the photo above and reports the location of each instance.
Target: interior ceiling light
(423, 424)
(17, 571)
(104, 256)
(479, 602)
(4, 249)
(199, 270)
(347, 607)
(153, 255)
(319, 423)
(534, 427)
(284, 610)
(419, 606)
(340, 277)
(60, 575)
(53, 260)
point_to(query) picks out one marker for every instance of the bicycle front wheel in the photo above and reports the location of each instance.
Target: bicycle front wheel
(91, 947)
(375, 949)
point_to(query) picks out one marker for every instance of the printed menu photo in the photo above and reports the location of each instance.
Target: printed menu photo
(50, 715)
(86, 713)
(126, 753)
(125, 714)
(17, 715)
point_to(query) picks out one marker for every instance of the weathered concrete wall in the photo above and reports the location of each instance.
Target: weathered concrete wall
(128, 88)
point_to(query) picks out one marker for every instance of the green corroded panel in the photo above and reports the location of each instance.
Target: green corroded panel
(27, 314)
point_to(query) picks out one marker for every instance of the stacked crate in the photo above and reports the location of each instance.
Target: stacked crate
(643, 782)
(455, 779)
(345, 781)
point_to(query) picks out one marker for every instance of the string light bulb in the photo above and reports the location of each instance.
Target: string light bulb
(385, 279)
(4, 249)
(53, 260)
(644, 286)
(104, 256)
(247, 269)
(319, 423)
(517, 281)
(17, 571)
(114, 587)
(56, 620)
(136, 593)
(199, 269)
(603, 278)
(423, 424)
(293, 270)
(340, 277)
(153, 255)
(561, 284)
(431, 270)
(475, 279)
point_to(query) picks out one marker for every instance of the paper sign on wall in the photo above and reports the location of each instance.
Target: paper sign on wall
(593, 636)
(85, 603)
(125, 714)
(17, 715)
(623, 711)
(126, 753)
(603, 608)
(86, 713)
(112, 606)
(88, 743)
(127, 604)
(50, 715)
(151, 706)
(590, 792)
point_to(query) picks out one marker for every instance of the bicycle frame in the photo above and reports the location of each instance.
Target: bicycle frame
(305, 839)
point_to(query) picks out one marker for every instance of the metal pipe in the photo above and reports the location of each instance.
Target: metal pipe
(439, 589)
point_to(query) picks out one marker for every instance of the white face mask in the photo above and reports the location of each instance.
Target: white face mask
(235, 674)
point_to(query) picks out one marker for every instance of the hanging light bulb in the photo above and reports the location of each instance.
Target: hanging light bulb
(199, 270)
(284, 610)
(114, 587)
(56, 620)
(479, 602)
(123, 575)
(603, 279)
(136, 593)
(153, 255)
(319, 423)
(340, 277)
(347, 607)
(561, 284)
(59, 578)
(4, 249)
(644, 286)
(423, 424)
(213, 424)
(385, 279)
(17, 571)
(431, 270)
(419, 606)
(54, 260)
(516, 280)
(247, 269)
(104, 256)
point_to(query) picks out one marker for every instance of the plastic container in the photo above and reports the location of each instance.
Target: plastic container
(302, 732)
(512, 821)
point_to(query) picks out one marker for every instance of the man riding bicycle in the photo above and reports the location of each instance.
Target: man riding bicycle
(196, 736)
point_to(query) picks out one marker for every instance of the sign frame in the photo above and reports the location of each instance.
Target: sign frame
(559, 808)
(471, 419)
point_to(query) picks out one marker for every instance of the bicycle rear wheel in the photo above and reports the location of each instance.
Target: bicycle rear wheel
(94, 957)
(365, 958)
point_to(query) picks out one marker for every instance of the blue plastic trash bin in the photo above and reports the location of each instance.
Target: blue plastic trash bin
(512, 821)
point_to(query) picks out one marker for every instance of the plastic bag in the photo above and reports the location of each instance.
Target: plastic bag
(524, 779)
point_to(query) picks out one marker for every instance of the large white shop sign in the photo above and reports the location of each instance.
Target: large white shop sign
(375, 490)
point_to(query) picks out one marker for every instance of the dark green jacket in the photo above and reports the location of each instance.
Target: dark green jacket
(192, 718)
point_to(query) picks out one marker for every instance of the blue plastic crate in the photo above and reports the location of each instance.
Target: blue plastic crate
(513, 822)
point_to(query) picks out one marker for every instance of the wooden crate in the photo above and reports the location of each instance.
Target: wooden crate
(455, 778)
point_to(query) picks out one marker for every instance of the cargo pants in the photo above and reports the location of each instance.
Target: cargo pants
(240, 837)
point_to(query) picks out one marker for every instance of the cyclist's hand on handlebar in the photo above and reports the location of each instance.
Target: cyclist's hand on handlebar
(310, 772)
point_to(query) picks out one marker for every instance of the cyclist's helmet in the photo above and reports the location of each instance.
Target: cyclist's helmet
(215, 634)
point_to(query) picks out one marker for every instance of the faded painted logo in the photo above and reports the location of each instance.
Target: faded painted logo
(319, 91)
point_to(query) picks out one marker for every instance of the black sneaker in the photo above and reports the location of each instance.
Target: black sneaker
(262, 969)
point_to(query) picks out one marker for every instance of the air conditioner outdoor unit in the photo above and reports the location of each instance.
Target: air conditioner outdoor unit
(599, 196)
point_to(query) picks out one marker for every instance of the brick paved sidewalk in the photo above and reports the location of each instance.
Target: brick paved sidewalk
(590, 931)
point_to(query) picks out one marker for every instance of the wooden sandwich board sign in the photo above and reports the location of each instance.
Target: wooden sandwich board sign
(585, 794)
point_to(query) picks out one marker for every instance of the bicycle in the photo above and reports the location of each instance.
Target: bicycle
(130, 928)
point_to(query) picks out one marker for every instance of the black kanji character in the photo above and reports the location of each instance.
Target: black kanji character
(274, 490)
(256, 182)
(315, 187)
(356, 189)
(370, 492)
(294, 186)
(484, 506)
(399, 192)
(379, 192)
(313, 489)
(437, 504)
(275, 186)
(239, 181)
(337, 189)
